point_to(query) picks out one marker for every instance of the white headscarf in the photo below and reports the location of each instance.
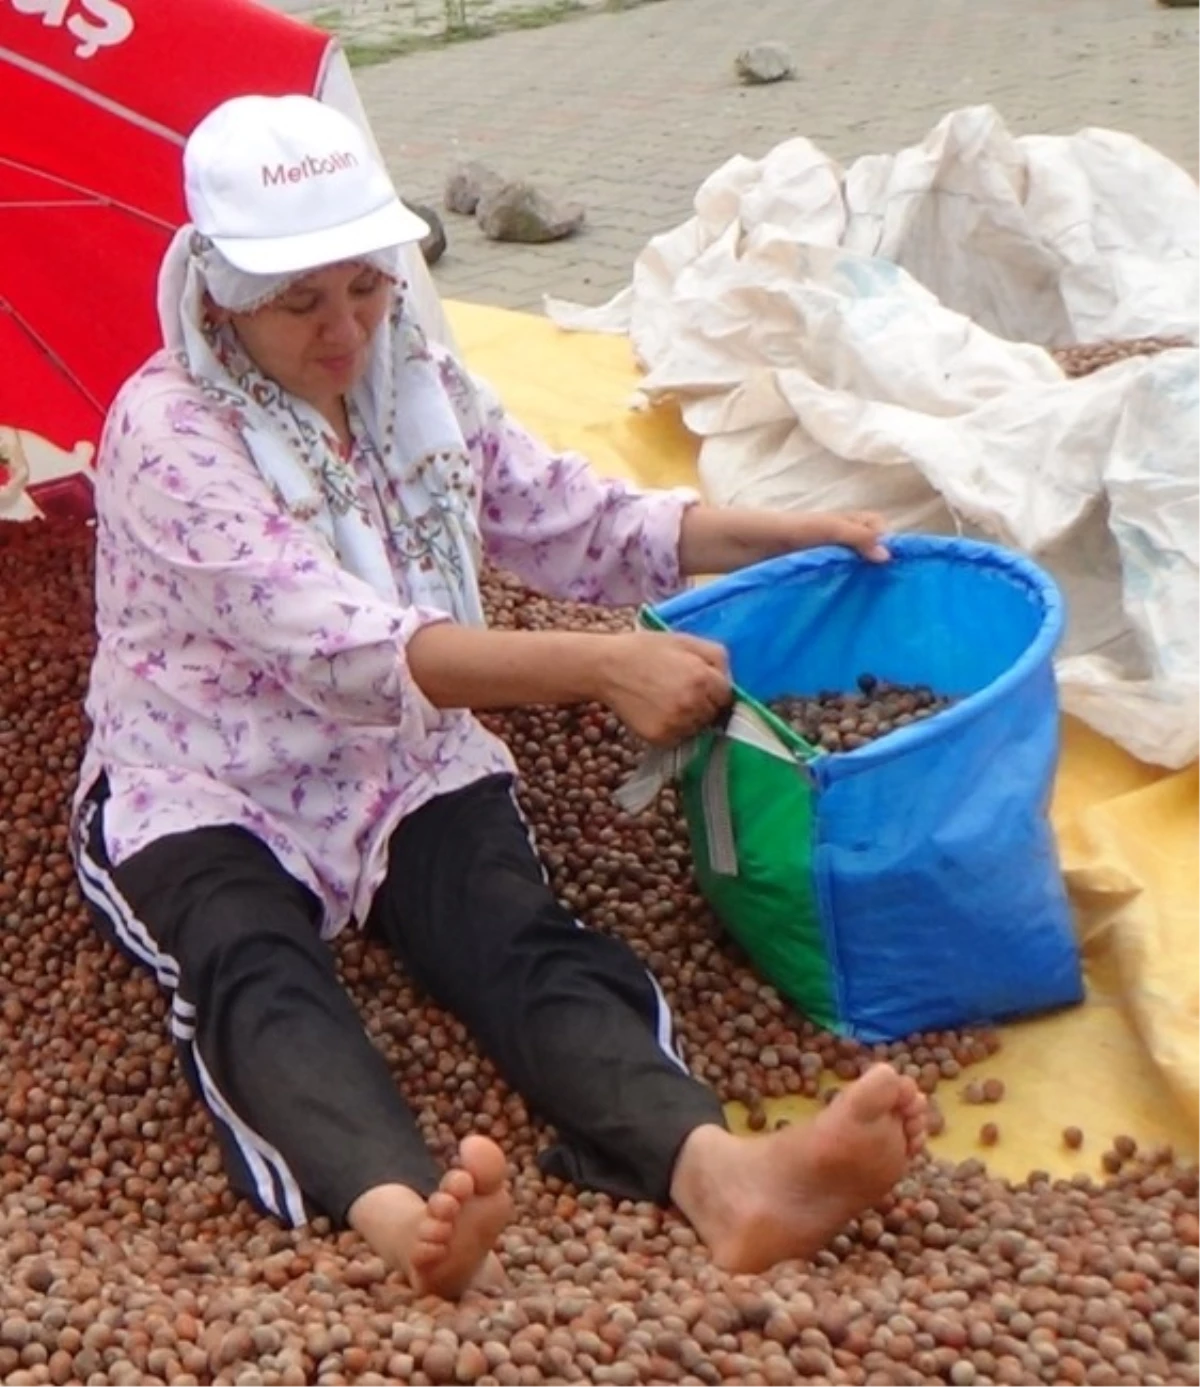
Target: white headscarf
(428, 493)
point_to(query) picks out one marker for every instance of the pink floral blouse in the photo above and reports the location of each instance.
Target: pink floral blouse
(244, 677)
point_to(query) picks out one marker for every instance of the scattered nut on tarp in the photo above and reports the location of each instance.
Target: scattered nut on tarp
(467, 184)
(520, 212)
(765, 62)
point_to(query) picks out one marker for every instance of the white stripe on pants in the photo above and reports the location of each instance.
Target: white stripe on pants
(274, 1183)
(664, 1025)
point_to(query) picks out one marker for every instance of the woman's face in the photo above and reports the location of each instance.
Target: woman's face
(314, 338)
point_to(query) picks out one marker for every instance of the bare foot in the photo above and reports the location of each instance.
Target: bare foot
(444, 1244)
(757, 1201)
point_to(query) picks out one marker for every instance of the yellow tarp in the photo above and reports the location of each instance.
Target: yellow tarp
(1125, 1061)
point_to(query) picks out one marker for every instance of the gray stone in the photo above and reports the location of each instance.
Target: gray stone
(765, 62)
(433, 246)
(519, 212)
(467, 184)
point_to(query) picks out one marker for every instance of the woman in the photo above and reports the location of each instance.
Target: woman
(293, 502)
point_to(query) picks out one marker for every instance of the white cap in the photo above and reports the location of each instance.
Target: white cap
(286, 183)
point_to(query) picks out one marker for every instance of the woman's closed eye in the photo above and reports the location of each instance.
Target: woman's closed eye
(301, 301)
(367, 283)
(300, 304)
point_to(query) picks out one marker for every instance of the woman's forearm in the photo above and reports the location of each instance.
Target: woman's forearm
(470, 667)
(716, 539)
(713, 539)
(664, 686)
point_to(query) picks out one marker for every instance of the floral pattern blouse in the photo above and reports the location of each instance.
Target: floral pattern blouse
(244, 677)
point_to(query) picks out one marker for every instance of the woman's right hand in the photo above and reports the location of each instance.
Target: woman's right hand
(663, 685)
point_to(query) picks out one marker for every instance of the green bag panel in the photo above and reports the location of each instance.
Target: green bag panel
(769, 904)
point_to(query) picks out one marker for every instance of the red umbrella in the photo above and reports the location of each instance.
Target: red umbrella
(96, 100)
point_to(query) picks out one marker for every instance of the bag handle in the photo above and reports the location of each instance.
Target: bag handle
(743, 723)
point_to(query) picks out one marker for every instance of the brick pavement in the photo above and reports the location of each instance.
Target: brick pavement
(630, 111)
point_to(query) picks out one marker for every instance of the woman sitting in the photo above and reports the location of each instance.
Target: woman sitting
(294, 499)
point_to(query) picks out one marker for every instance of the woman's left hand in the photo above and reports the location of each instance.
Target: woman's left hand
(860, 530)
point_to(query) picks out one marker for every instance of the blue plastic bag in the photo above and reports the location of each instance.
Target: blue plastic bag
(939, 901)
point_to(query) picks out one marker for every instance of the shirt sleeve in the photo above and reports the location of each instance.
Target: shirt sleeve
(560, 527)
(202, 530)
